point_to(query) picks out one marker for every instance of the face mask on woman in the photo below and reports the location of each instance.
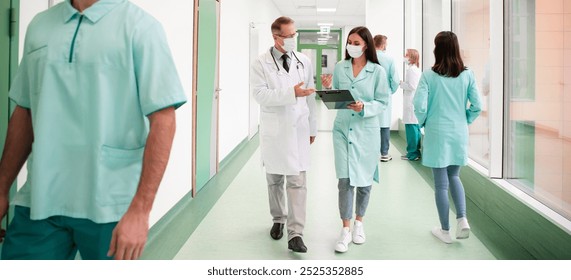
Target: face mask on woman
(354, 51)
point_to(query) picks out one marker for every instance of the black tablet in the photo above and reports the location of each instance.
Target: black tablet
(336, 98)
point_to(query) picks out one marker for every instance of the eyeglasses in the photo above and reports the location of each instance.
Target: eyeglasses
(289, 36)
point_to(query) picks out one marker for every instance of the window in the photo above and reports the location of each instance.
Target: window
(471, 23)
(538, 130)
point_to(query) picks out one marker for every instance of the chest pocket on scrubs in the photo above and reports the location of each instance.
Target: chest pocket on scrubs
(119, 175)
(36, 68)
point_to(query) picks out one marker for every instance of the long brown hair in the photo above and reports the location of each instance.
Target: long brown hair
(365, 34)
(447, 55)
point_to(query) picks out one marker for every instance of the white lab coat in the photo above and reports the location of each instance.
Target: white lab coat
(286, 121)
(412, 76)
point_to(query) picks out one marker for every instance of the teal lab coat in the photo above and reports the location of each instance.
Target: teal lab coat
(440, 105)
(393, 80)
(356, 138)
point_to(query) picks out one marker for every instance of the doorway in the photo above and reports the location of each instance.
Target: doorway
(205, 92)
(324, 51)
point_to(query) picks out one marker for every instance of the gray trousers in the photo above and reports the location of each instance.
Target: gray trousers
(294, 214)
(346, 194)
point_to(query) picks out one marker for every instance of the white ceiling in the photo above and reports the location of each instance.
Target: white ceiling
(305, 15)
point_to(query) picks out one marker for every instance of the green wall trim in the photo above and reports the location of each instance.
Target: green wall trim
(507, 227)
(172, 231)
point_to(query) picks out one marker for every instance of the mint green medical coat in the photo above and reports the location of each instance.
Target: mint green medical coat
(440, 105)
(356, 137)
(393, 81)
(90, 81)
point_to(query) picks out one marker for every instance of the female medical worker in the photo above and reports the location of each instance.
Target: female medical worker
(440, 106)
(356, 138)
(412, 128)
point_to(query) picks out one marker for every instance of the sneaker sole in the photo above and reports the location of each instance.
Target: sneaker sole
(463, 234)
(341, 250)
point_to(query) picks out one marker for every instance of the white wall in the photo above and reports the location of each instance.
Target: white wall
(235, 20)
(386, 17)
(177, 20)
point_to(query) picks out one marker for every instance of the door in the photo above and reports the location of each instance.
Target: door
(8, 64)
(205, 95)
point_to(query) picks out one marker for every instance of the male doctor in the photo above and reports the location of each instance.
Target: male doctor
(282, 83)
(393, 79)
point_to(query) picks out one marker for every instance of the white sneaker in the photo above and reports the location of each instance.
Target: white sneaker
(342, 244)
(358, 233)
(386, 158)
(463, 229)
(443, 235)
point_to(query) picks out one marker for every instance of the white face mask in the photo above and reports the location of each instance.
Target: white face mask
(354, 51)
(406, 62)
(289, 44)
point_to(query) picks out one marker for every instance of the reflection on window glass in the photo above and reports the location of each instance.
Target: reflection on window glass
(471, 23)
(538, 134)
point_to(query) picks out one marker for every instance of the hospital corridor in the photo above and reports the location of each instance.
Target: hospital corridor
(181, 118)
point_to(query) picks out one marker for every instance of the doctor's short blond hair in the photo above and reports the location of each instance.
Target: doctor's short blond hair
(277, 25)
(413, 56)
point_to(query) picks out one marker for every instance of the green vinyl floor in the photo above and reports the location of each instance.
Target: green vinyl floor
(398, 221)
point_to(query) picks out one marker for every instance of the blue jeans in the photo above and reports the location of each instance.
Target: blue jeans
(385, 138)
(412, 141)
(346, 193)
(443, 178)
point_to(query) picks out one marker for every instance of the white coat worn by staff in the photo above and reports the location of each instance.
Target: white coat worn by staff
(282, 83)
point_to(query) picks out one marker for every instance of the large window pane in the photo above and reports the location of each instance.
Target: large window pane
(436, 15)
(471, 23)
(538, 131)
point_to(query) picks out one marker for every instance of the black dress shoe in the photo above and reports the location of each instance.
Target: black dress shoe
(277, 231)
(296, 245)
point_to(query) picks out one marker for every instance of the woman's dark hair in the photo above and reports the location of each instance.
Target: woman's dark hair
(447, 55)
(365, 34)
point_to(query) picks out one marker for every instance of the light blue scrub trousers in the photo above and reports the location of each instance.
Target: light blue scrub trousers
(444, 178)
(346, 194)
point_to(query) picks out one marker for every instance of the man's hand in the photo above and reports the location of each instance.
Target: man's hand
(326, 80)
(129, 236)
(300, 92)
(311, 139)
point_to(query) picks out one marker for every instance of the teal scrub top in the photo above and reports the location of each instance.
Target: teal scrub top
(356, 137)
(90, 80)
(393, 80)
(440, 106)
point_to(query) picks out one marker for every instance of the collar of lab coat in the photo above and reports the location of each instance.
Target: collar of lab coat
(369, 67)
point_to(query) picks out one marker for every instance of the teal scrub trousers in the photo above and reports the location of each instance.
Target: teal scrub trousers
(412, 141)
(55, 238)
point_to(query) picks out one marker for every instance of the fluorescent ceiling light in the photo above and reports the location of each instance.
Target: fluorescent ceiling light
(329, 10)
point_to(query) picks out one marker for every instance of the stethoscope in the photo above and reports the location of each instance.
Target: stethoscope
(280, 73)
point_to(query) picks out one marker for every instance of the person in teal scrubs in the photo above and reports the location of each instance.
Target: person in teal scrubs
(440, 103)
(356, 138)
(393, 80)
(96, 93)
